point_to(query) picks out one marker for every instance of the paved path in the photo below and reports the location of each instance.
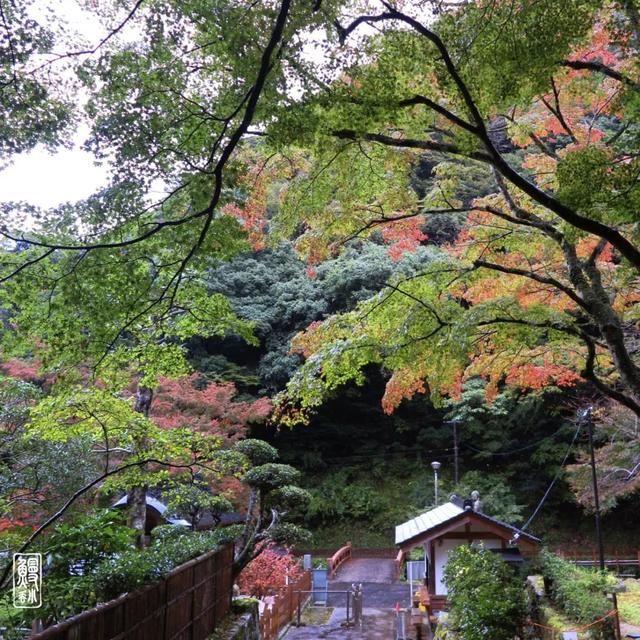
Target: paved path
(382, 570)
(377, 624)
(380, 593)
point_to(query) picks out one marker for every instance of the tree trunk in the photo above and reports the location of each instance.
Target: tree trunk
(137, 502)
(137, 496)
(144, 396)
(586, 278)
(245, 544)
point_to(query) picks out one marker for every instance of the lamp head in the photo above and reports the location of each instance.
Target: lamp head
(435, 465)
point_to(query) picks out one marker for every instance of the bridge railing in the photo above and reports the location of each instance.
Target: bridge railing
(623, 561)
(341, 555)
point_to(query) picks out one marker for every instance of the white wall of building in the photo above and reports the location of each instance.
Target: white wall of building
(442, 549)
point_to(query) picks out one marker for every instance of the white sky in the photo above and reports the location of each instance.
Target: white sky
(45, 179)
(48, 180)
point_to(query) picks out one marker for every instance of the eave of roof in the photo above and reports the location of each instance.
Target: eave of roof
(448, 513)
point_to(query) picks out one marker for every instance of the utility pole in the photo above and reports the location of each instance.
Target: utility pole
(588, 416)
(456, 468)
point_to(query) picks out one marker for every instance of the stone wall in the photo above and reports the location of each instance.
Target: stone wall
(245, 626)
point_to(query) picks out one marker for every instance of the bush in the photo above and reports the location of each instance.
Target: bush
(486, 595)
(579, 592)
(134, 568)
(496, 496)
(244, 605)
(165, 532)
(340, 498)
(86, 542)
(65, 595)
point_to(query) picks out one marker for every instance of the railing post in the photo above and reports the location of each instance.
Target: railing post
(357, 605)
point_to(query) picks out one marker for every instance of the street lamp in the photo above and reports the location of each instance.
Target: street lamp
(435, 466)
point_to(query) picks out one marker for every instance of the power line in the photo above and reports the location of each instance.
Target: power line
(405, 453)
(508, 453)
(546, 493)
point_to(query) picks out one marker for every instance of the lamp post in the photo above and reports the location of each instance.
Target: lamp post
(435, 466)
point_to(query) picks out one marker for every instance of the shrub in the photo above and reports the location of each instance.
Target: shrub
(486, 595)
(85, 542)
(65, 595)
(579, 592)
(134, 568)
(339, 498)
(244, 605)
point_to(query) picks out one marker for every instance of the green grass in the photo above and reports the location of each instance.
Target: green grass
(629, 603)
(551, 617)
(316, 615)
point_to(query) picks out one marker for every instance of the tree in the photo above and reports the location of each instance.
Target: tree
(273, 493)
(34, 103)
(194, 499)
(538, 287)
(111, 258)
(281, 295)
(617, 461)
(273, 568)
(36, 475)
(208, 408)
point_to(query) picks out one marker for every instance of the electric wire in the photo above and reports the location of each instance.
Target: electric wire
(518, 450)
(548, 491)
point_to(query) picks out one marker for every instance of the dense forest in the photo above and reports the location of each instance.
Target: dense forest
(337, 243)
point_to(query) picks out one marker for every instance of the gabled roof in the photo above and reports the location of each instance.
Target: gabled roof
(441, 518)
(427, 521)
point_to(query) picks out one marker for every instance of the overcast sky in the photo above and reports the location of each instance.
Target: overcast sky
(46, 179)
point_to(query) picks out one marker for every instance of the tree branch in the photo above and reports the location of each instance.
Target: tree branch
(626, 248)
(111, 34)
(588, 373)
(443, 111)
(532, 275)
(345, 32)
(412, 143)
(377, 222)
(592, 65)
